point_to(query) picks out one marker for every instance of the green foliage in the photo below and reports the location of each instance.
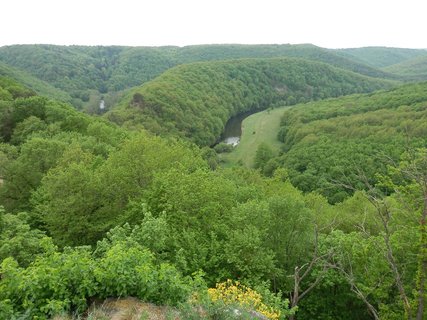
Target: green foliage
(333, 292)
(170, 218)
(12, 89)
(243, 254)
(414, 69)
(96, 192)
(44, 130)
(223, 147)
(58, 282)
(196, 205)
(382, 56)
(196, 100)
(23, 174)
(152, 232)
(55, 282)
(85, 75)
(306, 51)
(130, 271)
(18, 240)
(331, 143)
(69, 69)
(37, 85)
(26, 128)
(263, 154)
(68, 195)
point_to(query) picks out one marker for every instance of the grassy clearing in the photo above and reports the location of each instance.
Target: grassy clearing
(257, 128)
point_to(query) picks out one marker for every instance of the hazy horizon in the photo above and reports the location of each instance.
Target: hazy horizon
(205, 44)
(327, 24)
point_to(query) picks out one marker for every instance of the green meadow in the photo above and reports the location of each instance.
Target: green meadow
(257, 128)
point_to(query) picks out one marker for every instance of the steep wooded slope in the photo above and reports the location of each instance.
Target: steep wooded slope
(414, 69)
(88, 74)
(189, 227)
(330, 143)
(196, 100)
(41, 87)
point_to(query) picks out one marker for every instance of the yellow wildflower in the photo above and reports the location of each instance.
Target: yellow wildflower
(230, 292)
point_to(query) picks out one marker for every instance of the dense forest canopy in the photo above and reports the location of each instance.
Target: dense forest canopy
(414, 69)
(196, 100)
(91, 73)
(333, 227)
(39, 86)
(328, 140)
(380, 57)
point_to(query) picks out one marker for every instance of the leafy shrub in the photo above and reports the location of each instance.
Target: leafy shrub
(6, 309)
(223, 147)
(171, 288)
(17, 239)
(54, 283)
(263, 154)
(125, 271)
(232, 300)
(58, 282)
(131, 271)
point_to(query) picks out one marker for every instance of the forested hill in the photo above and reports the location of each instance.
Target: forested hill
(338, 139)
(380, 57)
(90, 210)
(196, 100)
(414, 69)
(91, 73)
(40, 86)
(306, 51)
(80, 71)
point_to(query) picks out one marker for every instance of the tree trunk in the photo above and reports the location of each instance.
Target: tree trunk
(295, 295)
(422, 272)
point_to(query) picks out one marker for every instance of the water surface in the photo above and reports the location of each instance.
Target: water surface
(233, 128)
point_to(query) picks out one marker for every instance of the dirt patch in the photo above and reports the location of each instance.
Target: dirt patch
(131, 309)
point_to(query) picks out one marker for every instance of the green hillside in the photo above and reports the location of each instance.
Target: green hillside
(89, 74)
(69, 68)
(306, 51)
(196, 100)
(80, 71)
(41, 87)
(380, 57)
(93, 212)
(138, 65)
(414, 69)
(333, 140)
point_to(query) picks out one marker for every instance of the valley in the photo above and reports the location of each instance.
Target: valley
(318, 212)
(260, 127)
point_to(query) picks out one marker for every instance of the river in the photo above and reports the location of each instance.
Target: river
(233, 128)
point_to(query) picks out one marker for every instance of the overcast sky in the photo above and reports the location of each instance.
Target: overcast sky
(326, 23)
